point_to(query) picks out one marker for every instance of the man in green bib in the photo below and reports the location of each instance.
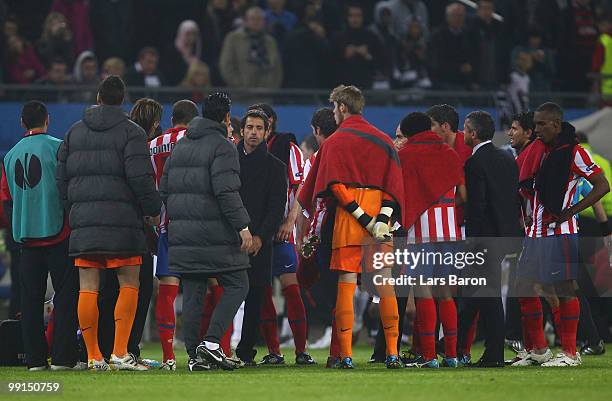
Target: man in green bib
(32, 204)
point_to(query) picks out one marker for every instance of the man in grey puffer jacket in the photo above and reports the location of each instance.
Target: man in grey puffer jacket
(208, 235)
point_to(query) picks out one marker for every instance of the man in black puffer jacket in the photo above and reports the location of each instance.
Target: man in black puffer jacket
(208, 222)
(105, 178)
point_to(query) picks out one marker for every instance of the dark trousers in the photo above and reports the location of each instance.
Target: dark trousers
(250, 323)
(235, 289)
(492, 323)
(109, 292)
(36, 264)
(15, 302)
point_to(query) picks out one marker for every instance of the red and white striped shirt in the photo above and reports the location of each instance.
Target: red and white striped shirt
(319, 210)
(295, 172)
(160, 149)
(438, 223)
(543, 222)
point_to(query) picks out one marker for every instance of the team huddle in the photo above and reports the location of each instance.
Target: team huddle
(226, 209)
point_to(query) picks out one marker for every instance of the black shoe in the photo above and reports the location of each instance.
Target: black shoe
(515, 345)
(486, 364)
(377, 359)
(410, 358)
(304, 358)
(273, 359)
(215, 357)
(597, 349)
(198, 365)
(332, 362)
(247, 360)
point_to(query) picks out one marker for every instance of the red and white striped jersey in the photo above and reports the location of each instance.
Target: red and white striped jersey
(160, 149)
(438, 223)
(295, 173)
(543, 222)
(316, 220)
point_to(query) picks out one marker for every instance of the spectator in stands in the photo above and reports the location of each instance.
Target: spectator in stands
(450, 50)
(250, 57)
(576, 45)
(490, 50)
(279, 21)
(57, 73)
(77, 16)
(542, 72)
(186, 49)
(145, 72)
(10, 27)
(410, 60)
(215, 25)
(22, 64)
(403, 12)
(197, 79)
(519, 85)
(113, 66)
(86, 69)
(56, 40)
(383, 29)
(357, 50)
(306, 53)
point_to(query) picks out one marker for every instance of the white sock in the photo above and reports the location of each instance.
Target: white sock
(211, 346)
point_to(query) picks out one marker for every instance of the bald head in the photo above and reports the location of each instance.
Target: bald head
(255, 19)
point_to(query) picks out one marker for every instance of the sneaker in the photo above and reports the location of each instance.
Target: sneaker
(38, 368)
(77, 366)
(170, 365)
(450, 363)
(409, 357)
(215, 357)
(376, 359)
(597, 349)
(432, 364)
(464, 359)
(303, 358)
(150, 363)
(393, 362)
(332, 362)
(515, 345)
(535, 359)
(197, 365)
(98, 366)
(346, 363)
(518, 357)
(324, 341)
(562, 360)
(236, 361)
(273, 359)
(128, 362)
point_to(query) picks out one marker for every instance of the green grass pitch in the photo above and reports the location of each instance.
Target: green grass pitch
(591, 381)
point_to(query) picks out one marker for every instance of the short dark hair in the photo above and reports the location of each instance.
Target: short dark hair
(582, 137)
(525, 120)
(148, 50)
(255, 113)
(111, 90)
(481, 122)
(216, 106)
(184, 111)
(551, 108)
(34, 114)
(268, 110)
(444, 113)
(414, 123)
(324, 120)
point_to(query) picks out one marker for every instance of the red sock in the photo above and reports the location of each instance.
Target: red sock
(531, 310)
(268, 324)
(207, 310)
(466, 348)
(334, 347)
(49, 330)
(557, 320)
(448, 317)
(570, 314)
(166, 321)
(296, 314)
(426, 317)
(526, 336)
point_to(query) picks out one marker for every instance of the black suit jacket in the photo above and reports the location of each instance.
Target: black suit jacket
(491, 178)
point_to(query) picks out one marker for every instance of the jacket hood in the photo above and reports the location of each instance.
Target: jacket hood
(103, 117)
(200, 127)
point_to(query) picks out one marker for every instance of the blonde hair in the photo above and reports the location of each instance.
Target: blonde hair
(52, 17)
(113, 63)
(350, 96)
(195, 67)
(146, 113)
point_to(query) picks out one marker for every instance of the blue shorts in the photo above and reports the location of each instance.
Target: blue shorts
(549, 259)
(284, 258)
(434, 255)
(161, 268)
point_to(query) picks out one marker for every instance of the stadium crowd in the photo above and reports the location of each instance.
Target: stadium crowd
(537, 45)
(223, 208)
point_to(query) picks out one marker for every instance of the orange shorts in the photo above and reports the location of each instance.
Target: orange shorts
(356, 258)
(107, 261)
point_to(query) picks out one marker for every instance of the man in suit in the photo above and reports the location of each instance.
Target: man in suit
(490, 213)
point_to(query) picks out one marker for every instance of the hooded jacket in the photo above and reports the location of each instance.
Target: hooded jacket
(105, 179)
(200, 187)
